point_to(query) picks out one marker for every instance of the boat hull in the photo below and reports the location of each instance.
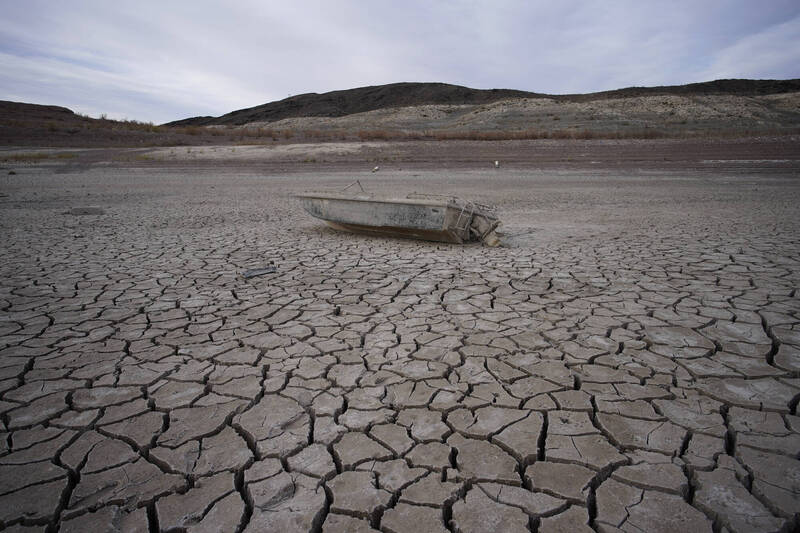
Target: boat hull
(426, 220)
(425, 217)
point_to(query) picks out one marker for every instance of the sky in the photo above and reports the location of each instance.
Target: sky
(173, 59)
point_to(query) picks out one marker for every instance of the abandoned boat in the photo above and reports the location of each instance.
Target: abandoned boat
(419, 216)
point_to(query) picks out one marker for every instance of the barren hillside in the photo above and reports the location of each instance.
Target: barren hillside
(723, 108)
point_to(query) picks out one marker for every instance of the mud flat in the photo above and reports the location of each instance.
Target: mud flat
(629, 360)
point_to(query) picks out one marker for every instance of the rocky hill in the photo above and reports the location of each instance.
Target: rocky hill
(398, 95)
(741, 108)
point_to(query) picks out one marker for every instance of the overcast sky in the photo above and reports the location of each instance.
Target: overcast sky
(171, 59)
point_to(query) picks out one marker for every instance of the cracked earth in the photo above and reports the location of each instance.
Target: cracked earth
(629, 362)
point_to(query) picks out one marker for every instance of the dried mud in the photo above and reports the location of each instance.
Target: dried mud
(630, 360)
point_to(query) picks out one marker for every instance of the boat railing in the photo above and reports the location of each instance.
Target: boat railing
(465, 216)
(453, 199)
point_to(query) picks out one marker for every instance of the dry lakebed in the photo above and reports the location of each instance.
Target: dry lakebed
(629, 360)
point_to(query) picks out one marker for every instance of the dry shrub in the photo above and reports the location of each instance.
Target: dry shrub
(374, 135)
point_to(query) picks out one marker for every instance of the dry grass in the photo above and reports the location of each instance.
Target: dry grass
(36, 156)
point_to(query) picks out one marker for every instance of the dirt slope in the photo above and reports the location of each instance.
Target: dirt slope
(363, 99)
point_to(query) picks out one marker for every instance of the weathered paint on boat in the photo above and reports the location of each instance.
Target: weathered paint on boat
(426, 217)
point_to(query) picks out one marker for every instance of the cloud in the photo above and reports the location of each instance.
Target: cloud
(162, 61)
(772, 52)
